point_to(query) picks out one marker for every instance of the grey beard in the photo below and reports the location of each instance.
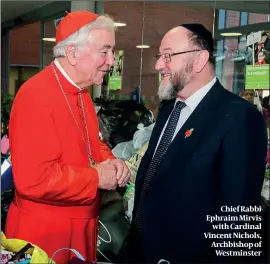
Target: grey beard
(170, 91)
(167, 92)
(177, 84)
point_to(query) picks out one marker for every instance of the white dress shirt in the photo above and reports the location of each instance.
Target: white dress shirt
(191, 103)
(60, 68)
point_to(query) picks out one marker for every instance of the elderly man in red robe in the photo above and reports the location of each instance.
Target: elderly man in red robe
(59, 163)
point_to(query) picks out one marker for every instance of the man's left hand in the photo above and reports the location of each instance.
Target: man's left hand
(123, 174)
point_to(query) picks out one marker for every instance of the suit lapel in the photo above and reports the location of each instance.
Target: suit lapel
(201, 121)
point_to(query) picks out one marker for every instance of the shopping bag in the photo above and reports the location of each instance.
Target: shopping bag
(77, 259)
(118, 119)
(142, 135)
(134, 161)
(113, 229)
(15, 245)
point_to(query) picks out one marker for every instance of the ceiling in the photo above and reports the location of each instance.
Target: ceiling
(262, 7)
(13, 9)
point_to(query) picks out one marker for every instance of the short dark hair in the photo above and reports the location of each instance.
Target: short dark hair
(201, 43)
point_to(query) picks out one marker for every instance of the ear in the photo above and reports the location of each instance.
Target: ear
(201, 60)
(70, 53)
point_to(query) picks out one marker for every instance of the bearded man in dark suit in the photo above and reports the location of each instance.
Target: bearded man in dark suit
(206, 156)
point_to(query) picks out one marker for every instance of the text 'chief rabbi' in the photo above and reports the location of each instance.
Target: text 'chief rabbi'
(201, 155)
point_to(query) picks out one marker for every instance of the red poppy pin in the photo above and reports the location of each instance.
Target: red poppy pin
(188, 132)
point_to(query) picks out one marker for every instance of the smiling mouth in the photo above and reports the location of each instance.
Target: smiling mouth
(163, 75)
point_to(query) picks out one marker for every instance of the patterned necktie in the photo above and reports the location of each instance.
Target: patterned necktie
(160, 151)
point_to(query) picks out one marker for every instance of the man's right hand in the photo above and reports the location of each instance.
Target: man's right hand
(106, 176)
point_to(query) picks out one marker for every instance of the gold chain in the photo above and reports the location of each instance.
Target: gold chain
(86, 142)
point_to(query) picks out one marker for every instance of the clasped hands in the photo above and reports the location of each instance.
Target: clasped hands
(112, 174)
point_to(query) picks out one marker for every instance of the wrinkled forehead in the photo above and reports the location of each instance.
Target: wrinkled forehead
(102, 38)
(175, 40)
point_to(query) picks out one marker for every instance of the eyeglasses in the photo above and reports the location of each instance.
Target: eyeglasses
(167, 57)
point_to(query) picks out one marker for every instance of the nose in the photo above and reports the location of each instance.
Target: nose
(110, 59)
(160, 64)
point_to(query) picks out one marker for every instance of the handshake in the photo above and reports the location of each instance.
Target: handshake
(112, 174)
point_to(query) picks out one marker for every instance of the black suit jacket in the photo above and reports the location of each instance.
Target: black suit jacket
(221, 163)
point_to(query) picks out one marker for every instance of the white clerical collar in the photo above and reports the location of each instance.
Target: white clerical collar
(193, 101)
(60, 68)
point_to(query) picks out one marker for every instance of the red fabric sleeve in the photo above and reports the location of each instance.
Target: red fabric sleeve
(105, 152)
(36, 153)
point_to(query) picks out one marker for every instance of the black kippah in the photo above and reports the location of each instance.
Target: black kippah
(200, 31)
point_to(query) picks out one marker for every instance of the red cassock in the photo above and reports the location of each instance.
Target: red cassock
(57, 201)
